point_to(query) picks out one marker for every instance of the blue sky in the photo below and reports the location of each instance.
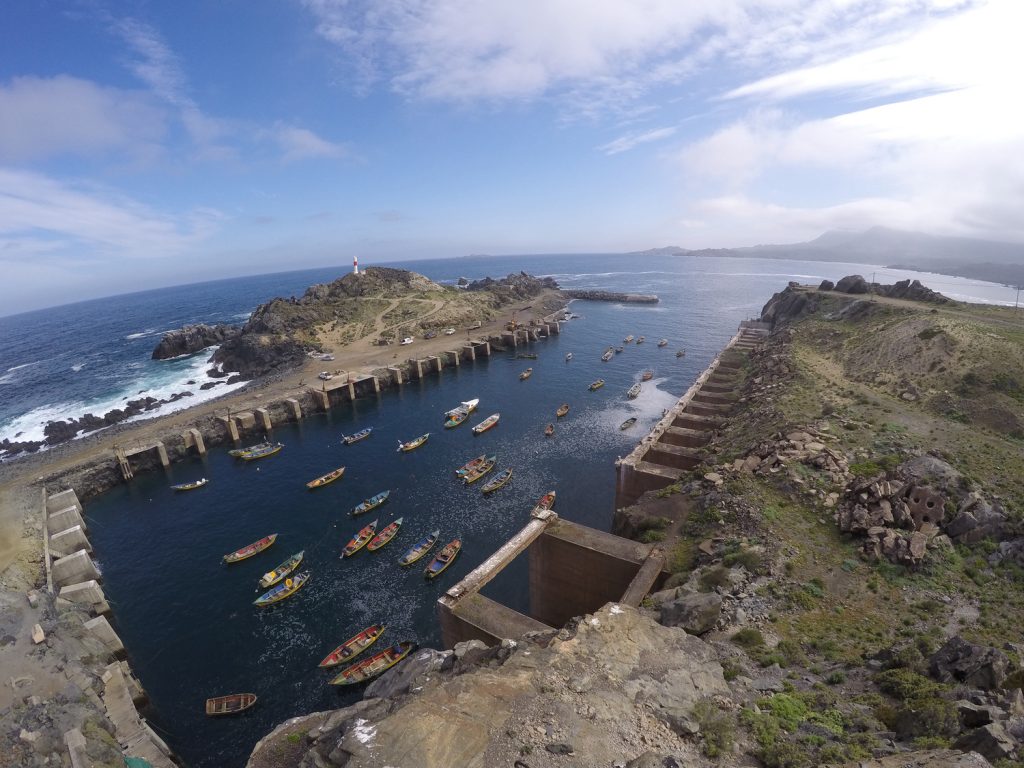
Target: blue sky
(152, 143)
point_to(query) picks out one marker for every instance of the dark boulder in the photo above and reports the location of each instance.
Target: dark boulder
(696, 613)
(826, 285)
(978, 666)
(991, 741)
(853, 284)
(192, 338)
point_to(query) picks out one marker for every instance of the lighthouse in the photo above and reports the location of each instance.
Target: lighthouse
(355, 265)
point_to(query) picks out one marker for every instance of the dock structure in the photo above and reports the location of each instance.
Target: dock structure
(573, 570)
(674, 446)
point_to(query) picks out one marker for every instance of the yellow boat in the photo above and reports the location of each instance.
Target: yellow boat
(250, 549)
(270, 578)
(330, 477)
(562, 410)
(282, 591)
(413, 444)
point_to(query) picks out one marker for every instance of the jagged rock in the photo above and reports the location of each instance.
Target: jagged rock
(826, 285)
(410, 674)
(978, 666)
(990, 740)
(932, 758)
(975, 715)
(655, 760)
(696, 613)
(192, 338)
(852, 284)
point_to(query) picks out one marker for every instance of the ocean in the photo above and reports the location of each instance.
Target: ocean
(187, 619)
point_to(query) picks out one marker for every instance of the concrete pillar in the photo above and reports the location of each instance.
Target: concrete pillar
(74, 568)
(510, 338)
(351, 390)
(232, 428)
(193, 437)
(293, 404)
(418, 367)
(555, 327)
(322, 399)
(397, 373)
(63, 500)
(470, 351)
(100, 629)
(85, 592)
(64, 519)
(76, 745)
(376, 385)
(487, 349)
(161, 451)
(438, 363)
(70, 540)
(454, 357)
(263, 419)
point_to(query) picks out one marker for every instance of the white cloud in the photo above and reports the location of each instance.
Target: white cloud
(630, 140)
(301, 143)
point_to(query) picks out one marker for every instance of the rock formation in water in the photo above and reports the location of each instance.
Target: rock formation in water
(628, 298)
(193, 338)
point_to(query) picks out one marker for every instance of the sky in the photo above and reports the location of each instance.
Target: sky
(147, 143)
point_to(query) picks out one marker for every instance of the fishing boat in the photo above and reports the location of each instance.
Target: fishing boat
(628, 423)
(190, 486)
(419, 549)
(608, 355)
(355, 438)
(456, 416)
(353, 646)
(237, 452)
(231, 704)
(526, 374)
(619, 349)
(323, 480)
(261, 453)
(386, 535)
(562, 410)
(549, 430)
(369, 668)
(526, 356)
(681, 353)
(486, 424)
(633, 392)
(568, 357)
(371, 503)
(467, 406)
(359, 541)
(282, 591)
(250, 549)
(443, 559)
(639, 339)
(470, 465)
(475, 474)
(647, 376)
(270, 578)
(547, 501)
(497, 481)
(596, 385)
(628, 338)
(662, 342)
(412, 445)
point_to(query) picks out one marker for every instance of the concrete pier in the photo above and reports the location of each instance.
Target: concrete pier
(230, 426)
(417, 366)
(263, 419)
(134, 735)
(100, 628)
(510, 338)
(321, 398)
(433, 362)
(452, 357)
(470, 352)
(74, 568)
(63, 500)
(64, 519)
(68, 541)
(397, 373)
(245, 420)
(194, 438)
(295, 408)
(86, 593)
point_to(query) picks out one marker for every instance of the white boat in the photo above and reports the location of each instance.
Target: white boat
(568, 357)
(633, 392)
(467, 406)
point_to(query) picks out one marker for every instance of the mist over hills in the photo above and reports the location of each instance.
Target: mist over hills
(897, 249)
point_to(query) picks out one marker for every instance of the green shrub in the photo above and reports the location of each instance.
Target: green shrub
(714, 577)
(748, 558)
(716, 727)
(731, 669)
(683, 557)
(748, 637)
(785, 755)
(651, 536)
(836, 678)
(790, 711)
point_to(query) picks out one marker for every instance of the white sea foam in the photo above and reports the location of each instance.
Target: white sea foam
(23, 365)
(77, 367)
(7, 378)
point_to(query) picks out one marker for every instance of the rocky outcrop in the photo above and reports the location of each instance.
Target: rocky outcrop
(977, 666)
(852, 284)
(193, 338)
(628, 298)
(254, 355)
(912, 290)
(514, 287)
(935, 758)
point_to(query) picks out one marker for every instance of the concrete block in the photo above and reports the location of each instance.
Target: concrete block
(322, 399)
(75, 742)
(193, 437)
(397, 373)
(245, 419)
(63, 519)
(63, 500)
(263, 418)
(71, 540)
(231, 427)
(74, 568)
(296, 409)
(100, 629)
(38, 635)
(86, 593)
(33, 598)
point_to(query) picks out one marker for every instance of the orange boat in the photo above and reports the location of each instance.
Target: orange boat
(353, 646)
(547, 501)
(330, 477)
(250, 549)
(360, 540)
(386, 535)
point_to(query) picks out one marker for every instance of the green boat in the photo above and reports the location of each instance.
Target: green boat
(369, 668)
(239, 452)
(419, 549)
(282, 591)
(498, 481)
(474, 475)
(371, 503)
(353, 646)
(268, 450)
(270, 578)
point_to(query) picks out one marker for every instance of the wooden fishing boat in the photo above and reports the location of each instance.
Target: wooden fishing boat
(386, 535)
(359, 541)
(596, 385)
(608, 355)
(231, 704)
(356, 437)
(633, 392)
(619, 349)
(547, 501)
(663, 342)
(526, 356)
(471, 477)
(270, 578)
(526, 374)
(419, 549)
(369, 668)
(486, 424)
(323, 480)
(549, 430)
(412, 445)
(470, 465)
(250, 549)
(647, 376)
(568, 357)
(371, 503)
(284, 590)
(681, 353)
(262, 453)
(562, 410)
(497, 481)
(456, 418)
(353, 646)
(467, 406)
(190, 486)
(443, 559)
(628, 338)
(628, 423)
(237, 452)
(639, 339)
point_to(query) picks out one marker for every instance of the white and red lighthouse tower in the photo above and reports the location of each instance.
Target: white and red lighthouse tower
(355, 265)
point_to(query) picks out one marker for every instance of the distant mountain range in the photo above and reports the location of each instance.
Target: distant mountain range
(961, 256)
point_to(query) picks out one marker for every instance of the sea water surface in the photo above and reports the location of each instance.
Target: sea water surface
(187, 619)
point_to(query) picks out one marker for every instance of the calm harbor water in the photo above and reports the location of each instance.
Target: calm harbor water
(187, 619)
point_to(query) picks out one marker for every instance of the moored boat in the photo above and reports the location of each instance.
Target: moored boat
(231, 704)
(549, 430)
(419, 549)
(237, 452)
(353, 646)
(487, 423)
(639, 339)
(547, 501)
(190, 486)
(479, 471)
(680, 353)
(283, 590)
(270, 578)
(628, 423)
(596, 385)
(371, 503)
(608, 355)
(634, 392)
(357, 436)
(386, 535)
(456, 418)
(467, 406)
(359, 541)
(562, 410)
(526, 374)
(663, 342)
(619, 349)
(568, 357)
(497, 481)
(470, 465)
(369, 668)
(250, 549)
(268, 450)
(526, 356)
(647, 376)
(323, 480)
(628, 338)
(443, 559)
(412, 444)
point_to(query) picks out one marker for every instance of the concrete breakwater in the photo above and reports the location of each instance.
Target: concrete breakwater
(628, 298)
